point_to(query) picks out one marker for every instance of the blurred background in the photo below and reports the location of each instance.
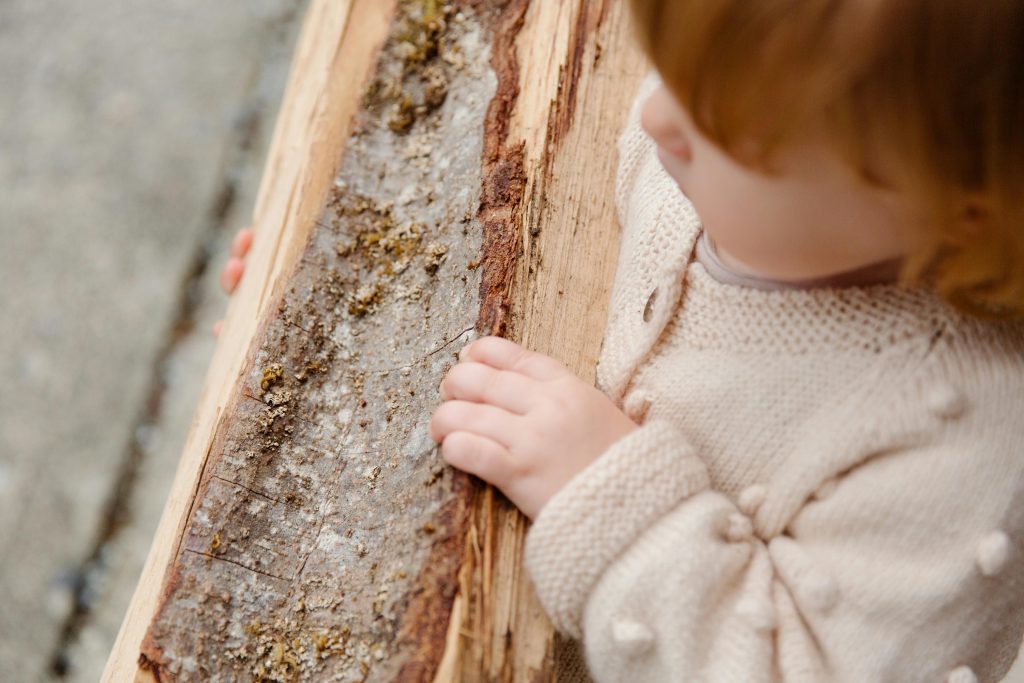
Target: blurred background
(132, 138)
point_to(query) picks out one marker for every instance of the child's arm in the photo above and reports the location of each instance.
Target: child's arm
(904, 568)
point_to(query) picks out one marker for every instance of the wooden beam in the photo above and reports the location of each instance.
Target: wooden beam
(331, 62)
(313, 532)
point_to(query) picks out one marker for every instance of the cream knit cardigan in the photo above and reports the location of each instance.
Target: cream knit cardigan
(828, 484)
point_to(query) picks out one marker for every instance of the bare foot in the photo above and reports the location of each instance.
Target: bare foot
(233, 270)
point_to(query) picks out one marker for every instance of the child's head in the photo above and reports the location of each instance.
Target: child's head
(816, 135)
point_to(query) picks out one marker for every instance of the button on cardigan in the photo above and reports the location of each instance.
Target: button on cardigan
(827, 484)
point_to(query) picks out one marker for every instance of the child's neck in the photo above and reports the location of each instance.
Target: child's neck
(724, 268)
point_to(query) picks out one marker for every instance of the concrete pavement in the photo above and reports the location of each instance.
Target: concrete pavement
(132, 136)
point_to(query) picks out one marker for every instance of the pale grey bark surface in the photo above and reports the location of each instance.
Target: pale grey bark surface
(321, 520)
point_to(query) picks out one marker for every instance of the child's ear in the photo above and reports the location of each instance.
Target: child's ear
(661, 118)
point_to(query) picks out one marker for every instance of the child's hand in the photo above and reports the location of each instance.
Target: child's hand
(232, 271)
(522, 421)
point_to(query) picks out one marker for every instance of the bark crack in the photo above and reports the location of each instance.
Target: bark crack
(236, 563)
(250, 490)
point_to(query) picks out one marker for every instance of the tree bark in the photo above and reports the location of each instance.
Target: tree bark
(441, 169)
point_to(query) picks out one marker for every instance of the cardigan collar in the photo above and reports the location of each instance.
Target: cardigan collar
(649, 281)
(653, 274)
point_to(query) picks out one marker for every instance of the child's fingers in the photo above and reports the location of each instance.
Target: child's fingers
(480, 456)
(231, 274)
(481, 419)
(241, 243)
(481, 383)
(507, 355)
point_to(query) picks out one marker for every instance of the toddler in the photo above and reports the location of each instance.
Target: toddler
(804, 460)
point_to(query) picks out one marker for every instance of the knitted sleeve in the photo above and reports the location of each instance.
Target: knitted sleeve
(903, 568)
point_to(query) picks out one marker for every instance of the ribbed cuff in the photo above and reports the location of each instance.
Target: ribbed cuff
(601, 511)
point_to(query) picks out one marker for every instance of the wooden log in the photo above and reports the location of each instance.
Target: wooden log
(441, 169)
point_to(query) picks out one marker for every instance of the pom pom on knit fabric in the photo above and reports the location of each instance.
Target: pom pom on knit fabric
(759, 614)
(632, 637)
(751, 498)
(737, 527)
(636, 405)
(993, 552)
(811, 582)
(962, 674)
(946, 401)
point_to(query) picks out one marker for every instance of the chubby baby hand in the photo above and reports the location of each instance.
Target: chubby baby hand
(522, 421)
